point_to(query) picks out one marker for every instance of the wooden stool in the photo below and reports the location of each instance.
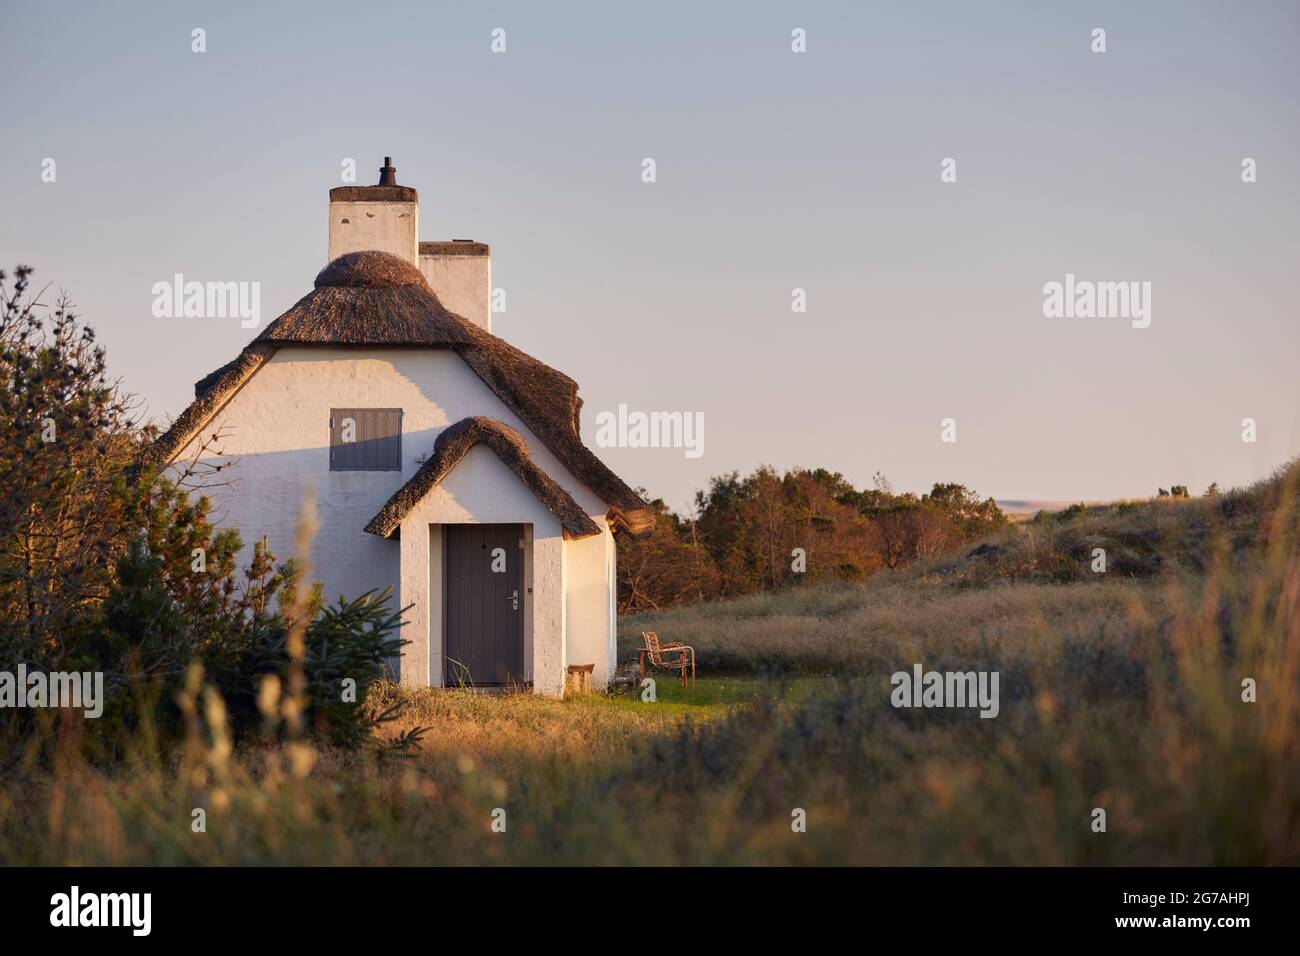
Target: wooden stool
(579, 680)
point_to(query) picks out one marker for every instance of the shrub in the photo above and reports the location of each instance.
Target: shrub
(242, 635)
(1074, 511)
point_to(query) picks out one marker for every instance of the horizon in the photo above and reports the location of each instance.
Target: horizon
(776, 172)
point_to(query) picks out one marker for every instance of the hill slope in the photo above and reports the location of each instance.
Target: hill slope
(1006, 589)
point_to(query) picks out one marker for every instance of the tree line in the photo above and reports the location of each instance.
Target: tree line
(767, 531)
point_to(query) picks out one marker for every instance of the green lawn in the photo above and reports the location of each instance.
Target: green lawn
(715, 692)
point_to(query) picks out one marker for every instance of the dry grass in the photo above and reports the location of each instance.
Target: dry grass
(507, 734)
(302, 804)
(852, 629)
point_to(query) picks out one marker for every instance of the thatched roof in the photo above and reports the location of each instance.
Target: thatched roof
(378, 299)
(452, 444)
(370, 298)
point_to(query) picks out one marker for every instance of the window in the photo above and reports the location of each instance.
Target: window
(365, 439)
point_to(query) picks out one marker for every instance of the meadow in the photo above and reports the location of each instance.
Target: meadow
(1164, 691)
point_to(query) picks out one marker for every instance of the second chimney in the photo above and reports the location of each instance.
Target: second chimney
(460, 274)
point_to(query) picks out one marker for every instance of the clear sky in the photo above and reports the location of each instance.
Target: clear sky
(775, 170)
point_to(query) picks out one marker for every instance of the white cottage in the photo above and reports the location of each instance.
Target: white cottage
(447, 464)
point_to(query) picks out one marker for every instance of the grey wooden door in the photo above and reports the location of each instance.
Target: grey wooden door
(484, 604)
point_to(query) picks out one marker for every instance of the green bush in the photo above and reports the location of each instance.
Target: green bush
(242, 639)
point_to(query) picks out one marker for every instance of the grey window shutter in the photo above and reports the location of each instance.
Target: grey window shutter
(376, 439)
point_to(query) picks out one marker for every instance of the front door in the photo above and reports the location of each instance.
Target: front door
(484, 602)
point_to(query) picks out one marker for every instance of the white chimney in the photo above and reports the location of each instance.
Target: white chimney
(460, 274)
(385, 217)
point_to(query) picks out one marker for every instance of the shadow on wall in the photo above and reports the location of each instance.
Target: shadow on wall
(346, 559)
(343, 557)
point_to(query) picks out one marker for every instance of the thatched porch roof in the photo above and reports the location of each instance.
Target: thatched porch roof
(451, 445)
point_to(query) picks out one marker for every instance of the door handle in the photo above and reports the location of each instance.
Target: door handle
(514, 599)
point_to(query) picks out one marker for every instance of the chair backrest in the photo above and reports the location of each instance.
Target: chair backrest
(652, 645)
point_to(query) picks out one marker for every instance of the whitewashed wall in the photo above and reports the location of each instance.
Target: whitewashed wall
(278, 428)
(588, 565)
(384, 226)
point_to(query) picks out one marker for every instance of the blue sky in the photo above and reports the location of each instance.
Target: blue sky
(775, 170)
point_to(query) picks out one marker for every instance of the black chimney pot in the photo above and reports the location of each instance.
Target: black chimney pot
(388, 173)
